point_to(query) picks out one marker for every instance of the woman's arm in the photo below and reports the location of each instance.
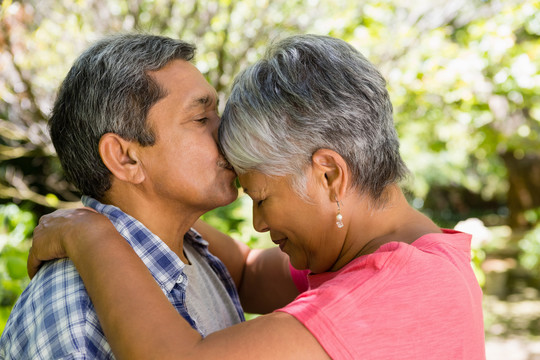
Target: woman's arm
(262, 277)
(139, 321)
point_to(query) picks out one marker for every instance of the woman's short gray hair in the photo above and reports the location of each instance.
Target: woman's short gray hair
(313, 92)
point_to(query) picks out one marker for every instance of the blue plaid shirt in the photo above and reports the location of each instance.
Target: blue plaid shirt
(54, 317)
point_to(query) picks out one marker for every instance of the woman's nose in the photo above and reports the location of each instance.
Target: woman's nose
(258, 221)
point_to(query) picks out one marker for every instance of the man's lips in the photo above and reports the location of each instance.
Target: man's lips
(280, 242)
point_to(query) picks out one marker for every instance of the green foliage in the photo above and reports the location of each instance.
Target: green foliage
(478, 255)
(16, 227)
(235, 219)
(529, 247)
(472, 90)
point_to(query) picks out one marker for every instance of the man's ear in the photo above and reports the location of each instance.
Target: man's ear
(331, 170)
(120, 157)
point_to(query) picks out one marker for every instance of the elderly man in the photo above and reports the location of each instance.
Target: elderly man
(135, 127)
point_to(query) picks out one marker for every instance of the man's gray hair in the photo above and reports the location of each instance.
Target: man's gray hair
(109, 90)
(308, 93)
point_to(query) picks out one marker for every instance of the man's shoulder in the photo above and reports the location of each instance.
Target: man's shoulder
(56, 294)
(53, 317)
(57, 280)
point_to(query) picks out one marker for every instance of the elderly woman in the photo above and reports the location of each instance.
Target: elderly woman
(309, 130)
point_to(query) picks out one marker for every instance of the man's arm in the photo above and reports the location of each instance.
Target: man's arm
(262, 277)
(231, 252)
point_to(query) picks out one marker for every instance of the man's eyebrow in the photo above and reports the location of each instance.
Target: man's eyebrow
(203, 100)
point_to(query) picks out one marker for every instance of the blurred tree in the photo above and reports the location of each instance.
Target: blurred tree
(462, 75)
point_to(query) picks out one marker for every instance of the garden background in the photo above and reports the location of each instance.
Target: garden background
(464, 78)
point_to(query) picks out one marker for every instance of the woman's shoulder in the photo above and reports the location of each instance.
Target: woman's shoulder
(447, 238)
(450, 246)
(398, 259)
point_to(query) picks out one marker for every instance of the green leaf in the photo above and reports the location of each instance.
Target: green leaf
(16, 267)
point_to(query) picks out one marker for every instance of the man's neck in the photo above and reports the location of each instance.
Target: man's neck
(169, 221)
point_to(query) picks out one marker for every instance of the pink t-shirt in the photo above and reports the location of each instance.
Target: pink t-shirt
(418, 301)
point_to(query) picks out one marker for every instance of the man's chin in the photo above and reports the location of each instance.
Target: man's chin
(226, 198)
(233, 196)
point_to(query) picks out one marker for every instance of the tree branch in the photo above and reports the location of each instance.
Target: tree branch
(27, 83)
(7, 192)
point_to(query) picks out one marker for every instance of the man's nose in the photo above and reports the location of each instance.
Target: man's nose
(215, 130)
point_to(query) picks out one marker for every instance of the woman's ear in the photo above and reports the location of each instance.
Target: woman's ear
(120, 157)
(331, 170)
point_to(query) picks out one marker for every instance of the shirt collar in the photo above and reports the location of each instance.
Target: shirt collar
(165, 266)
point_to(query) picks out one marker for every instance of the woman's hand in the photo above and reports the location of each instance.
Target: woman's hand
(58, 230)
